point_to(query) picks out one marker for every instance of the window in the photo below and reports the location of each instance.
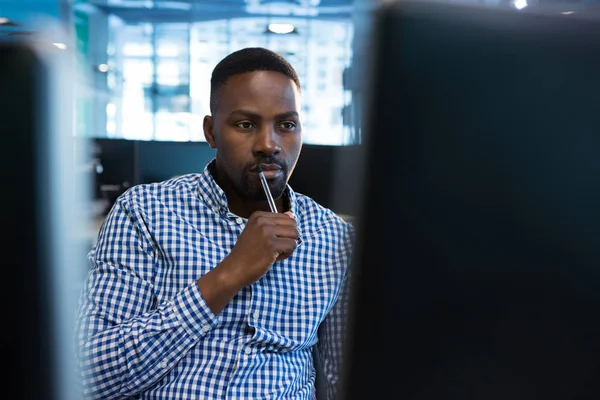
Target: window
(163, 90)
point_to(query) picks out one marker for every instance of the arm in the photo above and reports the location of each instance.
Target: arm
(332, 341)
(332, 338)
(126, 341)
(267, 237)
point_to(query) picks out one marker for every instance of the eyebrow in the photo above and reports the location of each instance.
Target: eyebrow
(252, 115)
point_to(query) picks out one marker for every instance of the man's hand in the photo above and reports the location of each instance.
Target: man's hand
(267, 237)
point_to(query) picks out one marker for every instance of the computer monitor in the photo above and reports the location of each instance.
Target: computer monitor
(477, 262)
(42, 195)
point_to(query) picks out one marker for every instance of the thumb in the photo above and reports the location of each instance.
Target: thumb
(289, 214)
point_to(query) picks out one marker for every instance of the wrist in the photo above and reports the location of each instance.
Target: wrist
(219, 286)
(228, 277)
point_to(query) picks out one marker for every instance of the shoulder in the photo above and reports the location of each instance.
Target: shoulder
(319, 219)
(165, 192)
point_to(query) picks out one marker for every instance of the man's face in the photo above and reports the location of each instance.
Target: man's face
(256, 123)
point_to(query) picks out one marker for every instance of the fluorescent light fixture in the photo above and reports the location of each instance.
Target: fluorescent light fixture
(7, 22)
(111, 109)
(281, 29)
(520, 4)
(283, 8)
(174, 5)
(111, 127)
(61, 46)
(567, 12)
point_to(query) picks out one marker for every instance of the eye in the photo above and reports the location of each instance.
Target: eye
(245, 125)
(287, 126)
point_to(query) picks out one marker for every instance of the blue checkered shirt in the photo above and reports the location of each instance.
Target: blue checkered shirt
(145, 331)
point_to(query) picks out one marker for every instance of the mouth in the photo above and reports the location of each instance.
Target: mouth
(270, 170)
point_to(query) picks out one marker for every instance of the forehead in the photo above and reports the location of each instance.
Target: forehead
(259, 91)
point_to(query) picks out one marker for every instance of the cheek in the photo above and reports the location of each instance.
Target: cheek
(294, 145)
(234, 149)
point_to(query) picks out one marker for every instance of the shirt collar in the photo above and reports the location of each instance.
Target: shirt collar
(214, 196)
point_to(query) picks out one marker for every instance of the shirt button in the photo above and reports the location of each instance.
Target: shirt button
(256, 314)
(239, 220)
(248, 350)
(163, 365)
(204, 329)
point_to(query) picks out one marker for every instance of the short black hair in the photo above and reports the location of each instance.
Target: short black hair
(246, 60)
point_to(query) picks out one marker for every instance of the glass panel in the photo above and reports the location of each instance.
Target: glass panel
(319, 63)
(172, 94)
(160, 74)
(209, 44)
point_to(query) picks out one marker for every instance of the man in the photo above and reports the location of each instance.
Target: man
(197, 290)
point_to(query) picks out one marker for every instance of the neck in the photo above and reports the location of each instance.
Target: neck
(245, 208)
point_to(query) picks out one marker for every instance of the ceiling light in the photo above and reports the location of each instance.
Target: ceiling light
(520, 4)
(103, 68)
(7, 22)
(281, 29)
(567, 12)
(61, 46)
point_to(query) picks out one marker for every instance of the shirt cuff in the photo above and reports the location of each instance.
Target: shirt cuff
(195, 315)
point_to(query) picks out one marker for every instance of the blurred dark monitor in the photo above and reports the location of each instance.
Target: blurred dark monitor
(328, 175)
(477, 265)
(38, 187)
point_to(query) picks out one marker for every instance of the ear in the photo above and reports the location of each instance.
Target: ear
(208, 131)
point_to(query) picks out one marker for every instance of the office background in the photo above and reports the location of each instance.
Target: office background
(143, 68)
(143, 72)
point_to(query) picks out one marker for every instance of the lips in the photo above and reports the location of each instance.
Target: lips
(270, 167)
(267, 167)
(271, 171)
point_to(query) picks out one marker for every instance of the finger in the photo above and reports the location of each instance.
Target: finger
(266, 214)
(260, 214)
(285, 248)
(284, 216)
(275, 219)
(288, 232)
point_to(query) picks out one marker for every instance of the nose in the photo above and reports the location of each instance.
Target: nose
(266, 142)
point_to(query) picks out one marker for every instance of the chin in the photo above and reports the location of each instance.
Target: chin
(277, 187)
(257, 193)
(277, 192)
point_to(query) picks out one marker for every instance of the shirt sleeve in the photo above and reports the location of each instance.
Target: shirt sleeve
(332, 330)
(126, 341)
